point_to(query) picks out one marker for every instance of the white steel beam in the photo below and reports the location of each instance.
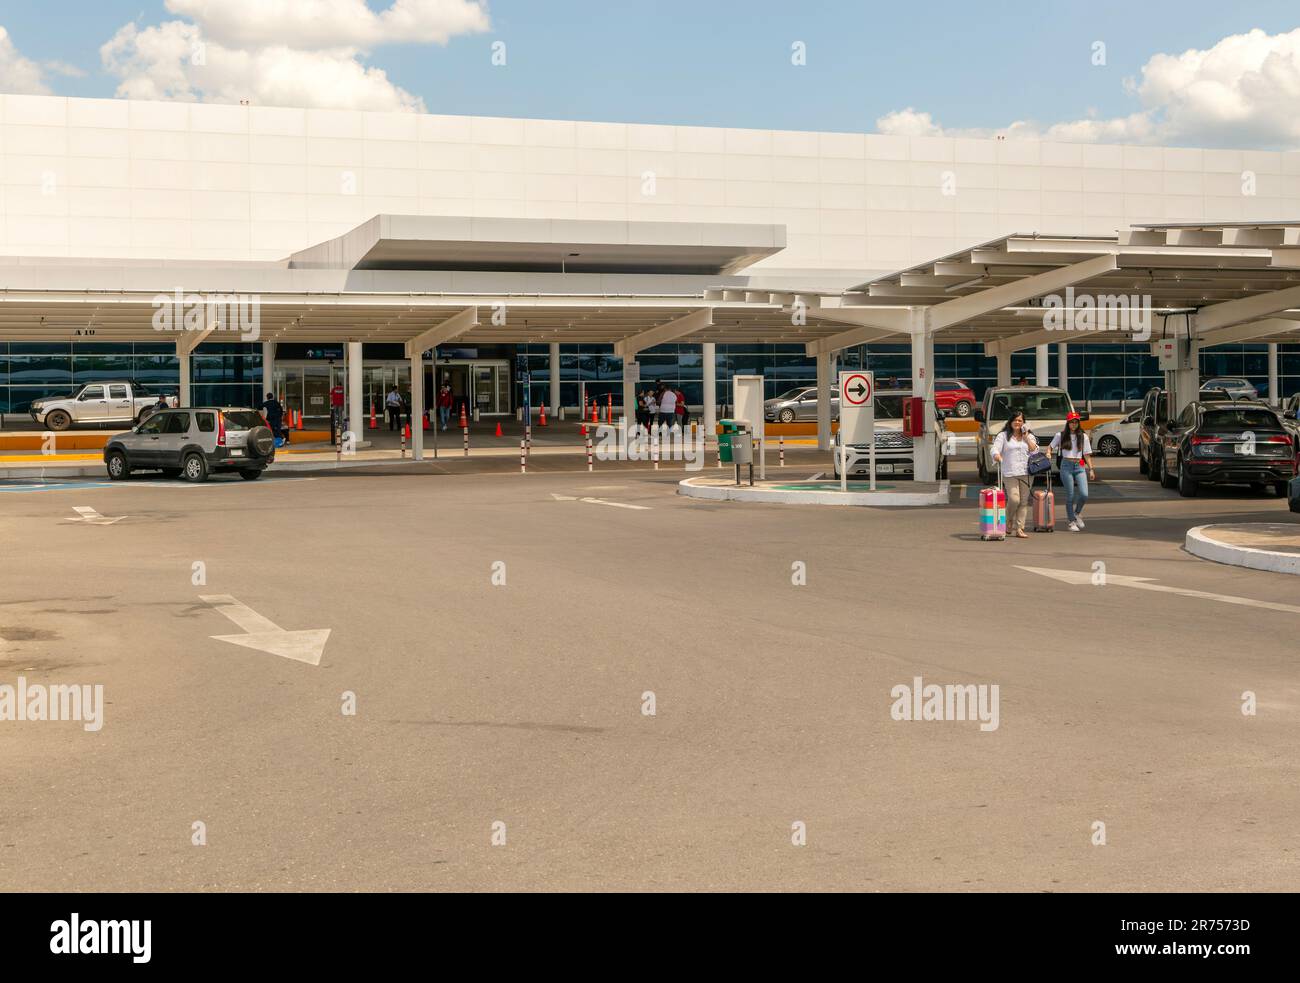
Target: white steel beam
(454, 326)
(664, 333)
(1248, 331)
(1232, 312)
(963, 309)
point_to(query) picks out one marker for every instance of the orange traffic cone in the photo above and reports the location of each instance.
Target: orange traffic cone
(424, 420)
(464, 422)
(298, 414)
(541, 422)
(374, 424)
(609, 409)
(594, 417)
(498, 428)
(406, 431)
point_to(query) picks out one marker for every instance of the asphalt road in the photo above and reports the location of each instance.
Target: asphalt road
(522, 704)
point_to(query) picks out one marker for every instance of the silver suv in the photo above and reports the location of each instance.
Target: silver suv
(192, 443)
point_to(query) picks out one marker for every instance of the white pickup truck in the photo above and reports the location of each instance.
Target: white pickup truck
(115, 401)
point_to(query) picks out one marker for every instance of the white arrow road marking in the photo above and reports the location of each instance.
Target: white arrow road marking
(265, 636)
(86, 514)
(598, 501)
(1146, 583)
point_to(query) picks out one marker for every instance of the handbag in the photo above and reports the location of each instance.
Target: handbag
(1038, 463)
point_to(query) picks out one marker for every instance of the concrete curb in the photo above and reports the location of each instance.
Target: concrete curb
(1200, 543)
(774, 496)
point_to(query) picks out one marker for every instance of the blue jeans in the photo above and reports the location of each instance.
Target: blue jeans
(1075, 478)
(444, 413)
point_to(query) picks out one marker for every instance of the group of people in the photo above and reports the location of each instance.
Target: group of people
(662, 406)
(1013, 448)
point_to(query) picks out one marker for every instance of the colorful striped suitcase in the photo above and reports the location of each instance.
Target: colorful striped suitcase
(993, 512)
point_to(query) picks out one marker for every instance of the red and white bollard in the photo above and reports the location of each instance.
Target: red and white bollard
(528, 437)
(780, 446)
(403, 444)
(523, 462)
(465, 433)
(654, 447)
(590, 467)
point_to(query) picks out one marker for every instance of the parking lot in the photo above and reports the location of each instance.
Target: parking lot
(503, 638)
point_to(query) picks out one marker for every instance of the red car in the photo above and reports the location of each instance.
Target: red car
(954, 396)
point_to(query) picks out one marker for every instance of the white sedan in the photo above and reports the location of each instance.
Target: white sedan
(1118, 436)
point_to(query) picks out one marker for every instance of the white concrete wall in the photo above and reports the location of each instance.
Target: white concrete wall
(118, 178)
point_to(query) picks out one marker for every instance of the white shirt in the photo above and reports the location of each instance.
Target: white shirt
(393, 399)
(1071, 454)
(651, 405)
(668, 404)
(1015, 454)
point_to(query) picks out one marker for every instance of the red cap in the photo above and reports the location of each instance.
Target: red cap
(1072, 415)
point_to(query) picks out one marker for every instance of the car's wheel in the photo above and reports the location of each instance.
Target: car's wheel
(1166, 479)
(1153, 468)
(786, 415)
(118, 468)
(1143, 465)
(260, 444)
(58, 420)
(250, 474)
(1109, 446)
(194, 468)
(962, 408)
(1186, 484)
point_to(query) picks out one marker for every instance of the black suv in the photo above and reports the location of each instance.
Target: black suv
(1153, 420)
(1218, 443)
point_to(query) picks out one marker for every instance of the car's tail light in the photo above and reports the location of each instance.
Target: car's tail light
(1206, 440)
(1284, 439)
(221, 430)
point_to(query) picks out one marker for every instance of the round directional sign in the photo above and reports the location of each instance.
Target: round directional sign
(857, 389)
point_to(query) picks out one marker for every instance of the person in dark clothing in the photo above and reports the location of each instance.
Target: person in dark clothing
(274, 414)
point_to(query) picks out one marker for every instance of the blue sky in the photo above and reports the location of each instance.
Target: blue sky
(727, 62)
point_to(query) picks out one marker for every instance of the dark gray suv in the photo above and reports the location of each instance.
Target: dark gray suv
(193, 442)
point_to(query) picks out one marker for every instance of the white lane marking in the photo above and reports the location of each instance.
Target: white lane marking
(264, 635)
(598, 501)
(814, 477)
(1147, 583)
(86, 514)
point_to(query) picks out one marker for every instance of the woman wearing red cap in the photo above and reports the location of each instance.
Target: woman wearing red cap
(1076, 468)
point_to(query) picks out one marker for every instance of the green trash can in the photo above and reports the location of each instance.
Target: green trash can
(727, 430)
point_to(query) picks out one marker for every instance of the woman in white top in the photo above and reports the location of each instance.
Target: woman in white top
(651, 407)
(1076, 468)
(1011, 451)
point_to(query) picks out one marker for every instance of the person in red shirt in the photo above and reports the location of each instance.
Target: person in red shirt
(444, 405)
(336, 409)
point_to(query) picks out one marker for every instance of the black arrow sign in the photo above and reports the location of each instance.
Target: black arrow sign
(860, 391)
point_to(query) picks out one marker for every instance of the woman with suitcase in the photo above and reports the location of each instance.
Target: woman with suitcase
(1076, 467)
(1011, 452)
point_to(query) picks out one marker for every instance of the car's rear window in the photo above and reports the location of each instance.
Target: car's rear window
(242, 420)
(1240, 419)
(1035, 405)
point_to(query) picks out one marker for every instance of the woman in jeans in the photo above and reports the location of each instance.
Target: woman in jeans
(1011, 451)
(1076, 468)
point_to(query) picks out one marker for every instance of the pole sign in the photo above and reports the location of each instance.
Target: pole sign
(857, 407)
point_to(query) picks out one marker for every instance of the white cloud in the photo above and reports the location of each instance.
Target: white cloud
(281, 52)
(1242, 92)
(18, 74)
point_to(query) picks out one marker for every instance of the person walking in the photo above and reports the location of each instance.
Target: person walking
(274, 414)
(393, 408)
(1076, 467)
(667, 407)
(444, 405)
(1011, 451)
(683, 411)
(651, 408)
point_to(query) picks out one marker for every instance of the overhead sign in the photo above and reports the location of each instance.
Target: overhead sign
(857, 407)
(857, 389)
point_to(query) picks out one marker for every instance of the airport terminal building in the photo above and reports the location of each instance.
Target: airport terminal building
(395, 249)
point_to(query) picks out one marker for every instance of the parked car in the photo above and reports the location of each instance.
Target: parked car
(954, 397)
(192, 443)
(894, 457)
(797, 404)
(1215, 443)
(1045, 409)
(113, 401)
(1235, 386)
(1154, 416)
(1118, 436)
